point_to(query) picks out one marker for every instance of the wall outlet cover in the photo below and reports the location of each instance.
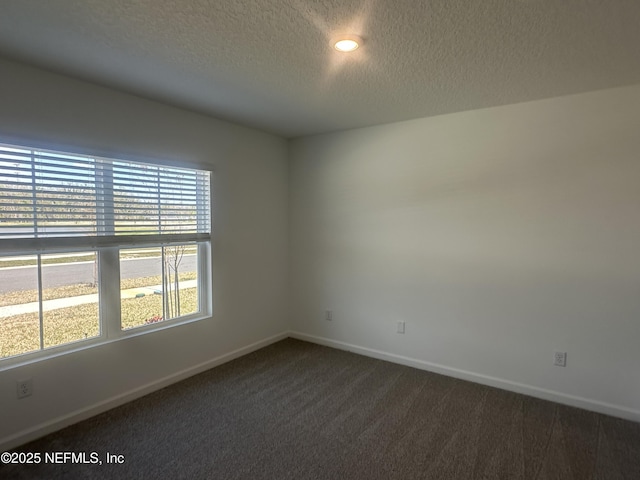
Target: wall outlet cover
(560, 359)
(25, 387)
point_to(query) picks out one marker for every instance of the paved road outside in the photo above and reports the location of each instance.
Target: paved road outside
(59, 275)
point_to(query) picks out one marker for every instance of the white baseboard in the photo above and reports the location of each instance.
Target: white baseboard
(563, 398)
(58, 423)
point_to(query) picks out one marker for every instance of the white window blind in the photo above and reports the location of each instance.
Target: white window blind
(50, 198)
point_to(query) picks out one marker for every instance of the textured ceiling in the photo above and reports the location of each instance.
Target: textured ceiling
(269, 64)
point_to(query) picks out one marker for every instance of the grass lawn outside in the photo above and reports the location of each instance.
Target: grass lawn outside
(28, 296)
(21, 333)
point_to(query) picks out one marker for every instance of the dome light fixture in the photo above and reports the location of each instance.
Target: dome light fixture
(347, 43)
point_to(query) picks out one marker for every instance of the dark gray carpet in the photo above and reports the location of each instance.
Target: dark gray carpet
(295, 410)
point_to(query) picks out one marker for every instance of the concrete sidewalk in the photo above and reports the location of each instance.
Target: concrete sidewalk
(47, 305)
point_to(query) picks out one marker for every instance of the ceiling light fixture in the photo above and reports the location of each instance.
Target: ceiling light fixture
(347, 43)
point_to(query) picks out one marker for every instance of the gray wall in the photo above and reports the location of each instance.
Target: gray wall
(249, 250)
(497, 235)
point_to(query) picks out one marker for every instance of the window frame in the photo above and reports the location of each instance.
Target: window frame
(108, 260)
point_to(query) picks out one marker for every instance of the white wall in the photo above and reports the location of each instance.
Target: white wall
(497, 235)
(249, 248)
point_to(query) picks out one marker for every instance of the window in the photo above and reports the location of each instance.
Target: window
(95, 248)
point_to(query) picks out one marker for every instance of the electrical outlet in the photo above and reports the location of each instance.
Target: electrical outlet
(560, 359)
(25, 388)
(400, 327)
(328, 315)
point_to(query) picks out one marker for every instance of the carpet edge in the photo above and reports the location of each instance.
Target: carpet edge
(60, 422)
(537, 392)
